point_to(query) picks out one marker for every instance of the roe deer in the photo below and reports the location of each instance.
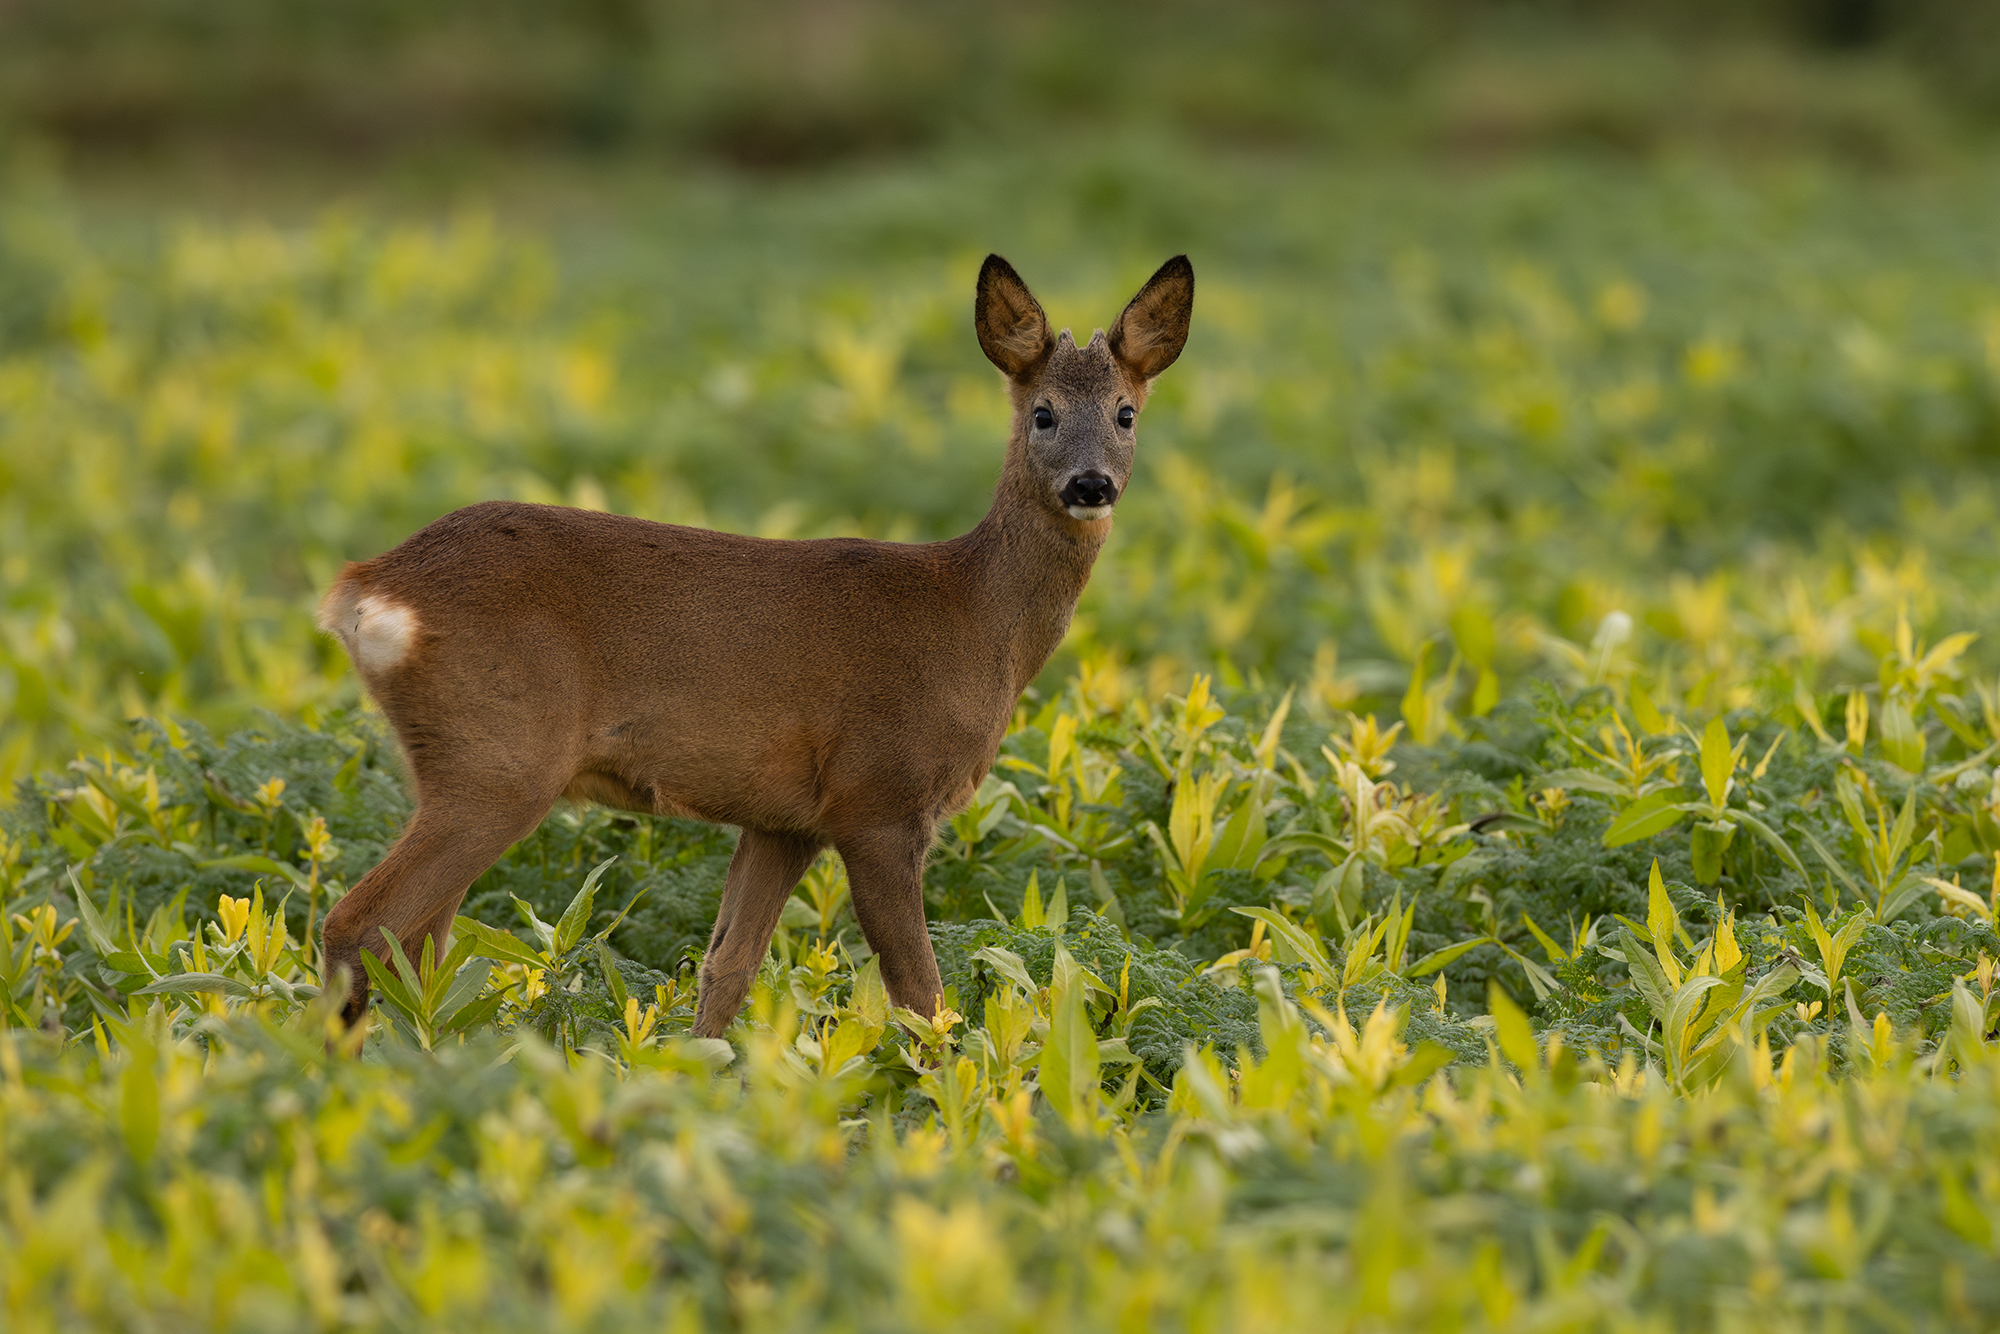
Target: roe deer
(834, 692)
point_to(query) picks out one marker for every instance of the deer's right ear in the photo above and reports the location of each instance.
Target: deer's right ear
(1013, 331)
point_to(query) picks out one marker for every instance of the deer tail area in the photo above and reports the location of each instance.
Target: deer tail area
(376, 631)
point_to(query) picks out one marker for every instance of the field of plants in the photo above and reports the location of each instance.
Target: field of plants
(1512, 840)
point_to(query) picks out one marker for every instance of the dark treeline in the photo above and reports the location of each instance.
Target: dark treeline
(780, 83)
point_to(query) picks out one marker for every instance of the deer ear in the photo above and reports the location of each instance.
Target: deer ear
(1153, 328)
(1013, 331)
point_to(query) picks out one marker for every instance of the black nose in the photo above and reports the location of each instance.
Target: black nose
(1090, 488)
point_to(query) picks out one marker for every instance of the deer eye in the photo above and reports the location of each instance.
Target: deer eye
(1044, 419)
(1125, 416)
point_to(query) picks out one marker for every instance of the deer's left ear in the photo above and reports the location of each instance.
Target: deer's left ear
(1153, 328)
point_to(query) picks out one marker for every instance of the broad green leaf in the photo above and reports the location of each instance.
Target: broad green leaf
(1834, 946)
(543, 931)
(1960, 897)
(1302, 946)
(614, 981)
(1707, 841)
(1681, 1010)
(1285, 845)
(1062, 746)
(1350, 884)
(1648, 977)
(1641, 1040)
(344, 778)
(1968, 1025)
(1415, 708)
(1360, 951)
(1831, 862)
(1058, 909)
(715, 1053)
(1511, 1027)
(1899, 900)
(1718, 761)
(1539, 979)
(1398, 937)
(1005, 962)
(1769, 987)
(1958, 726)
(1906, 826)
(386, 980)
(1441, 958)
(1472, 630)
(1270, 1083)
(1770, 836)
(472, 1014)
(1705, 1064)
(1425, 1060)
(576, 917)
(869, 999)
(1720, 1002)
(94, 930)
(1243, 837)
(466, 984)
(1547, 942)
(411, 973)
(1107, 898)
(491, 943)
(139, 1103)
(180, 984)
(1032, 917)
(250, 861)
(1649, 815)
(1069, 1069)
(1646, 713)
(131, 963)
(1903, 742)
(1587, 780)
(1663, 923)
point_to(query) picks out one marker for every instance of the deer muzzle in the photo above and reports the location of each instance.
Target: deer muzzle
(1089, 495)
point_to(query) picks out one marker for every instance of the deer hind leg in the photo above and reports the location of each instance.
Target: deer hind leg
(885, 868)
(762, 875)
(416, 888)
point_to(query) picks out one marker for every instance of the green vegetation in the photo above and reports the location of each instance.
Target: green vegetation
(1244, 1052)
(1755, 415)
(1512, 840)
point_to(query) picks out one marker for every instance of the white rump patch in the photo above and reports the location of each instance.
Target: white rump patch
(380, 633)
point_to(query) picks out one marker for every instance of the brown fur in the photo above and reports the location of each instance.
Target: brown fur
(841, 692)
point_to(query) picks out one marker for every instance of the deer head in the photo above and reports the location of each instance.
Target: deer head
(1076, 408)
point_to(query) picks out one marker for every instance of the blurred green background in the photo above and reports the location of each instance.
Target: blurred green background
(1511, 316)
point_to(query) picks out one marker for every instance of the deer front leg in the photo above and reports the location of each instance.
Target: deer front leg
(885, 873)
(762, 875)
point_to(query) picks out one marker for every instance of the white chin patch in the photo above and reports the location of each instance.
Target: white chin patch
(1089, 511)
(382, 634)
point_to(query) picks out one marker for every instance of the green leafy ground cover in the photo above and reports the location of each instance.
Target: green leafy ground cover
(1509, 843)
(1230, 1039)
(1755, 413)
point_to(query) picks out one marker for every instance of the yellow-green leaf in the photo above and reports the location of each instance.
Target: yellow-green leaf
(1511, 1027)
(1718, 760)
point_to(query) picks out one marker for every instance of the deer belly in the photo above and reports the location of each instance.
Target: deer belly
(763, 777)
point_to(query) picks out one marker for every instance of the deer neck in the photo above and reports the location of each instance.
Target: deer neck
(1026, 568)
